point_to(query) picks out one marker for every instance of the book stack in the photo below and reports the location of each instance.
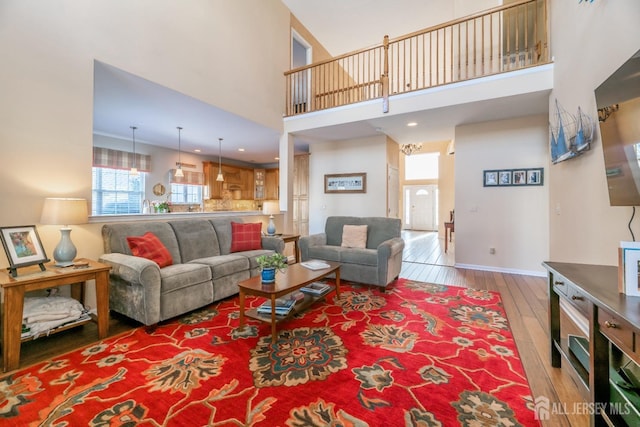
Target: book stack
(283, 306)
(314, 264)
(316, 289)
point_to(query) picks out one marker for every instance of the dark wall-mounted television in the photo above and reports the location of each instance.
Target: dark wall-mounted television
(618, 102)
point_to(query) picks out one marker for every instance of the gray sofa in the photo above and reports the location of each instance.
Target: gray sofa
(203, 269)
(377, 264)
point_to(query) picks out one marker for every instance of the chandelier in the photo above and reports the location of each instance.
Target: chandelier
(409, 149)
(605, 112)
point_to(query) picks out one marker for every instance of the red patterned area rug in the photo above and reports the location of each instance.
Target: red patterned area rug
(418, 355)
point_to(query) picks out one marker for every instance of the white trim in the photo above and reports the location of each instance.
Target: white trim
(501, 270)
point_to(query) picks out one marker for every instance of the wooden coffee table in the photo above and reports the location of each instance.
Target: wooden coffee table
(293, 278)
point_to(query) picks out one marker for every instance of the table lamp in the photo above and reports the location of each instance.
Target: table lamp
(64, 211)
(271, 208)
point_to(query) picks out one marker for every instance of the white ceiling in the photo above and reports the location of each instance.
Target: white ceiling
(123, 100)
(343, 26)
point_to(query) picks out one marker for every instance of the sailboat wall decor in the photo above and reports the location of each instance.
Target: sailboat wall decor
(570, 135)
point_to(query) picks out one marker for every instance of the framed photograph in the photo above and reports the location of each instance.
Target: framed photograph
(534, 177)
(519, 177)
(23, 246)
(504, 177)
(346, 183)
(490, 178)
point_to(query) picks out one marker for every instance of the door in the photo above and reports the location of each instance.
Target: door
(393, 193)
(421, 207)
(300, 84)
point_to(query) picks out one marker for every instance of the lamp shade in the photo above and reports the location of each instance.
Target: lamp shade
(64, 211)
(271, 208)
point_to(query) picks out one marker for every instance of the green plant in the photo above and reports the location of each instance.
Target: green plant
(274, 260)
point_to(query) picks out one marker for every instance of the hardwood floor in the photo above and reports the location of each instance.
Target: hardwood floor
(524, 298)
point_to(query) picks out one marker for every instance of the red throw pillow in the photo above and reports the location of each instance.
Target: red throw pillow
(150, 247)
(246, 236)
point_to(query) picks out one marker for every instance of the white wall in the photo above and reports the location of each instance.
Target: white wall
(513, 220)
(601, 36)
(367, 155)
(230, 54)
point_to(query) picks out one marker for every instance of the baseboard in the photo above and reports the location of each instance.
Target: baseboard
(502, 270)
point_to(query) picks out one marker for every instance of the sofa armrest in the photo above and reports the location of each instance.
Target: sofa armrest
(135, 287)
(273, 243)
(389, 248)
(133, 269)
(306, 242)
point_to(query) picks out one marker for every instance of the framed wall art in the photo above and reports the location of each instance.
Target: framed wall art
(346, 183)
(490, 178)
(513, 177)
(23, 247)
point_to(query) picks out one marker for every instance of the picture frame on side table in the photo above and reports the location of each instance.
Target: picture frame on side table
(23, 247)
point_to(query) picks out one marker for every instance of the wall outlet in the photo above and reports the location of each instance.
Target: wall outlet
(492, 251)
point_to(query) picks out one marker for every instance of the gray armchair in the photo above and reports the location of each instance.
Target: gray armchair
(379, 263)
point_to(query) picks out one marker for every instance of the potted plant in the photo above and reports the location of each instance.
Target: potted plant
(269, 264)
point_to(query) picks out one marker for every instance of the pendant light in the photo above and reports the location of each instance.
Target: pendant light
(179, 173)
(220, 178)
(134, 169)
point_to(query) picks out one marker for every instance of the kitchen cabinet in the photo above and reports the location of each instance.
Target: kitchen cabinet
(272, 184)
(238, 181)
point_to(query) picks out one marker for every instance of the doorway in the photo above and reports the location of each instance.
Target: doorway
(421, 207)
(301, 55)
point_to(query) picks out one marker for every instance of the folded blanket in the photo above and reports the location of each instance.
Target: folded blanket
(50, 308)
(41, 314)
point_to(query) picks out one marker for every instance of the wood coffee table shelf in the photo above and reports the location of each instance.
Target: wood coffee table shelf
(294, 277)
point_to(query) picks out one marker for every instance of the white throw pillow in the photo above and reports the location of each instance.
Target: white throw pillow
(354, 236)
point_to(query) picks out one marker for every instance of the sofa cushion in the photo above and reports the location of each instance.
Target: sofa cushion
(150, 247)
(246, 236)
(359, 256)
(379, 229)
(224, 265)
(196, 238)
(325, 252)
(181, 276)
(115, 236)
(222, 225)
(354, 236)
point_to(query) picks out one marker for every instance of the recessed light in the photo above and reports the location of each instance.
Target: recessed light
(412, 124)
(197, 150)
(240, 149)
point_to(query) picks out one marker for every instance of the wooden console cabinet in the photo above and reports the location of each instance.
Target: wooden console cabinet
(613, 339)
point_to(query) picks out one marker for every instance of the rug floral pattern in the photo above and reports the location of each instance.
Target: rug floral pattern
(416, 355)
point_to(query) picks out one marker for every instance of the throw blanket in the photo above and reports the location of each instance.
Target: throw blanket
(41, 314)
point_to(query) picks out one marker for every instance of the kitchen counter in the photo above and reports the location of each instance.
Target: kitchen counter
(170, 215)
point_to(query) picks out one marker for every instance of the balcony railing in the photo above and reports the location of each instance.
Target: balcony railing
(499, 40)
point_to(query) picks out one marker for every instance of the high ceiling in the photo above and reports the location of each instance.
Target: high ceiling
(341, 26)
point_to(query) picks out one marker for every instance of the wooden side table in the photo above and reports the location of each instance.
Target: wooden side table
(448, 232)
(32, 279)
(293, 238)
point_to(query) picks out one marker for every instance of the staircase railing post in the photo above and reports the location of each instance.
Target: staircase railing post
(384, 80)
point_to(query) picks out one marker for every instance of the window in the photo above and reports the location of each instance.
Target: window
(421, 166)
(116, 191)
(186, 193)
